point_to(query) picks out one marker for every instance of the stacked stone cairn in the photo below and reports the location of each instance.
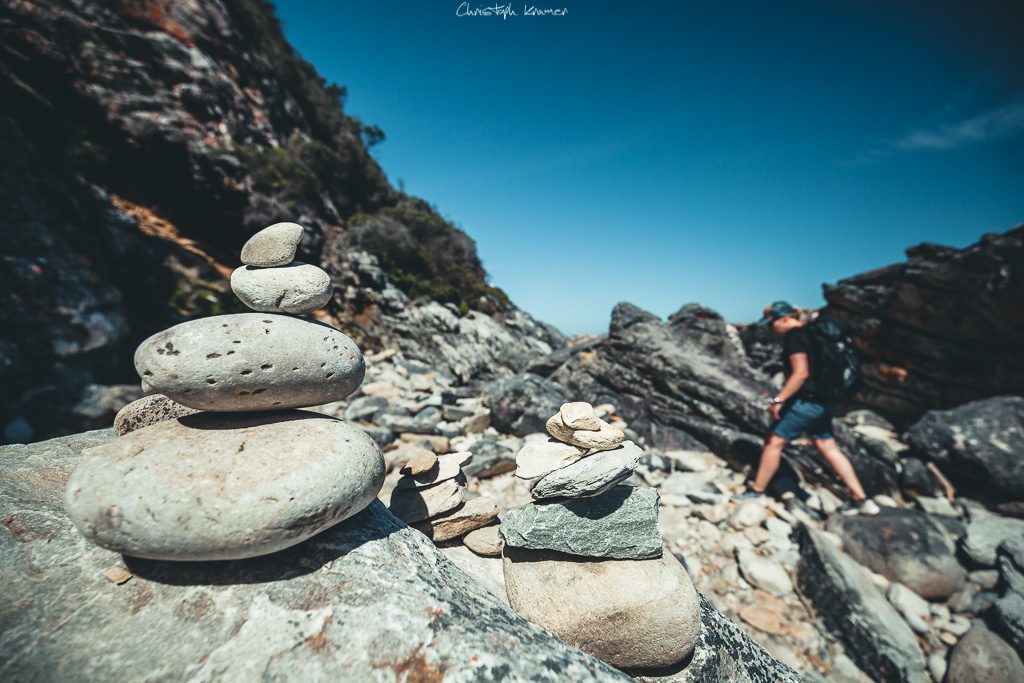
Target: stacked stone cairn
(431, 497)
(218, 464)
(585, 560)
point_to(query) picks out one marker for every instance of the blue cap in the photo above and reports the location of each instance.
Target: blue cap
(776, 310)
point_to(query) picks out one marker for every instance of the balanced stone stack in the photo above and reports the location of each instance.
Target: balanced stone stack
(586, 559)
(218, 465)
(431, 496)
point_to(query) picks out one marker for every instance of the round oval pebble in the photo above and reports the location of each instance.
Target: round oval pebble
(272, 246)
(296, 288)
(213, 486)
(250, 361)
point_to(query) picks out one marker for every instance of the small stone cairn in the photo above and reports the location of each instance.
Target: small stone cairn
(586, 560)
(216, 464)
(431, 497)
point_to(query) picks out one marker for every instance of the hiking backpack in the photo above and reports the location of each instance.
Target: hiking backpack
(837, 373)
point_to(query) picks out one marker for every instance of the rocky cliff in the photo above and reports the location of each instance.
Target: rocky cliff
(941, 329)
(144, 141)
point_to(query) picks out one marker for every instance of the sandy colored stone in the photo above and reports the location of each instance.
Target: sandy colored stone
(485, 541)
(417, 504)
(251, 361)
(764, 618)
(422, 462)
(580, 415)
(605, 438)
(296, 288)
(473, 514)
(446, 466)
(221, 486)
(629, 613)
(272, 246)
(117, 575)
(146, 411)
(539, 458)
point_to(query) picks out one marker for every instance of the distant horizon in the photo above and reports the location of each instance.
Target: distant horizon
(727, 154)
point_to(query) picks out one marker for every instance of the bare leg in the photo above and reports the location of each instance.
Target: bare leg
(841, 464)
(771, 456)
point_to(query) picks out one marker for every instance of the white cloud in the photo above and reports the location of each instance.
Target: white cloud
(1002, 122)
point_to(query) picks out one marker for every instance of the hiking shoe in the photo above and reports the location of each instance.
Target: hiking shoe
(749, 494)
(858, 507)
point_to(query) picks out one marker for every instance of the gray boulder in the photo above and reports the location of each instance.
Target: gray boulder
(1010, 558)
(873, 633)
(983, 657)
(621, 523)
(907, 546)
(978, 445)
(984, 534)
(1008, 619)
(522, 405)
(370, 600)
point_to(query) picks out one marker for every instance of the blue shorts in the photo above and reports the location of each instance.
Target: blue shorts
(798, 417)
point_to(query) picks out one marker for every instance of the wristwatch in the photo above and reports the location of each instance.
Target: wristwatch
(776, 400)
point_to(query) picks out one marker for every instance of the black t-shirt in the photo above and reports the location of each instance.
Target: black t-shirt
(797, 341)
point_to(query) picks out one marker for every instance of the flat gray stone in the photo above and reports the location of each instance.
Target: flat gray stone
(272, 246)
(250, 361)
(986, 532)
(621, 523)
(146, 411)
(370, 599)
(296, 288)
(538, 458)
(591, 475)
(218, 486)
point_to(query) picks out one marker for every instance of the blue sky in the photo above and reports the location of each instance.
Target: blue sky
(727, 153)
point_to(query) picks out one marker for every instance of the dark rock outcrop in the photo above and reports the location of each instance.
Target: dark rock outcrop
(977, 445)
(874, 635)
(905, 546)
(144, 142)
(522, 405)
(941, 329)
(677, 394)
(369, 599)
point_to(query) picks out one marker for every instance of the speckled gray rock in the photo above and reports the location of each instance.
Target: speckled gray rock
(723, 652)
(296, 288)
(250, 361)
(591, 475)
(272, 246)
(629, 613)
(367, 600)
(214, 486)
(146, 411)
(621, 523)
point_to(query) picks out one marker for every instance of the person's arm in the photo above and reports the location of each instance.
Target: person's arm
(797, 361)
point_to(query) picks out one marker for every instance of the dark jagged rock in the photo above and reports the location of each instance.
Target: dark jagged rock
(708, 330)
(1008, 618)
(676, 394)
(369, 599)
(941, 329)
(522, 405)
(978, 445)
(723, 653)
(143, 144)
(906, 546)
(917, 480)
(874, 635)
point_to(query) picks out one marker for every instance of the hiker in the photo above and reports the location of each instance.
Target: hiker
(820, 368)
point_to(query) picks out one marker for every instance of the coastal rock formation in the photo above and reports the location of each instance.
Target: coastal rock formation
(368, 599)
(941, 329)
